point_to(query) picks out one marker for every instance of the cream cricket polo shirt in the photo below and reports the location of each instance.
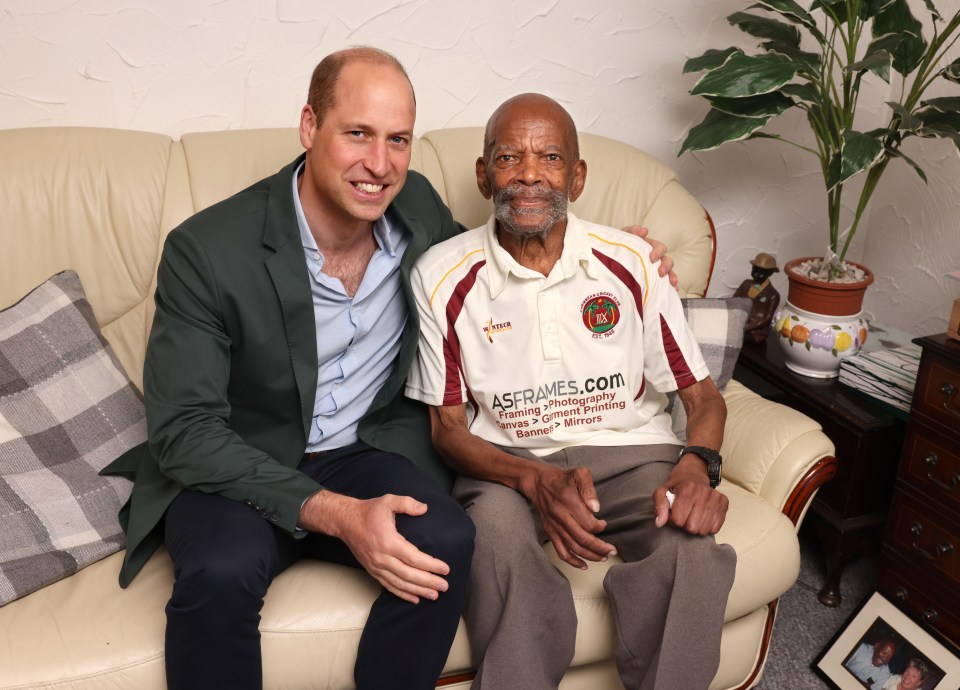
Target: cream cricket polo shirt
(548, 362)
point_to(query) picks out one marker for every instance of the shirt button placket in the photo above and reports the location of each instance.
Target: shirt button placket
(549, 330)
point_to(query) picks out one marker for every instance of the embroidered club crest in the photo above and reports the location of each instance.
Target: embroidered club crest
(601, 313)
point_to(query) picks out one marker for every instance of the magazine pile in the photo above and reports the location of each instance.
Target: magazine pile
(885, 369)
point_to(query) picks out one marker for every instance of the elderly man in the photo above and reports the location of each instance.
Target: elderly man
(870, 663)
(542, 340)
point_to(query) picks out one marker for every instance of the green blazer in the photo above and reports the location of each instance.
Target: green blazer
(231, 369)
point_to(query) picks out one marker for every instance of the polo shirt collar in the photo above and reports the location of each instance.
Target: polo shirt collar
(576, 254)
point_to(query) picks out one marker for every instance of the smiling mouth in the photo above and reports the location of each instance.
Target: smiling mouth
(368, 188)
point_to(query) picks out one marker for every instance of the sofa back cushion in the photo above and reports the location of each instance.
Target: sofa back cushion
(101, 202)
(90, 200)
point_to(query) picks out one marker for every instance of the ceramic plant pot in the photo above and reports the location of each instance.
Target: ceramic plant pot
(831, 299)
(814, 344)
(820, 323)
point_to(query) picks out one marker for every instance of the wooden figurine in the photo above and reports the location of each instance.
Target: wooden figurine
(765, 297)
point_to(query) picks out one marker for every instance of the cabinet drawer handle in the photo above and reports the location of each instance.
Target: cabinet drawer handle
(931, 461)
(941, 550)
(902, 593)
(930, 615)
(947, 390)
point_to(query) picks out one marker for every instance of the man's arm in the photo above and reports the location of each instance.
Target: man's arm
(565, 500)
(698, 508)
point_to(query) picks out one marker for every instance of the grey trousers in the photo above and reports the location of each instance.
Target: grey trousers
(668, 597)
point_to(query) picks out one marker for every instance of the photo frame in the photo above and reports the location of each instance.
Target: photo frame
(878, 631)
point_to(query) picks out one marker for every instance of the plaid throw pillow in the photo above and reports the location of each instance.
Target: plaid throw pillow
(717, 325)
(66, 410)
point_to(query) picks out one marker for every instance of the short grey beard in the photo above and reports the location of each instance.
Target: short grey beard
(557, 209)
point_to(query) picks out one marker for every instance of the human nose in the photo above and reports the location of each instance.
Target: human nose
(529, 172)
(378, 160)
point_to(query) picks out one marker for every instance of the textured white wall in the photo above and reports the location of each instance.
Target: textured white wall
(176, 66)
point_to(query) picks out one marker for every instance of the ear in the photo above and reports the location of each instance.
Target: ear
(482, 182)
(308, 124)
(579, 180)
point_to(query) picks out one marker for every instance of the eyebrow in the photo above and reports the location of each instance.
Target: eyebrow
(514, 147)
(354, 126)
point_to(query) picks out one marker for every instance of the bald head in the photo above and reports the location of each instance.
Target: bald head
(322, 93)
(529, 106)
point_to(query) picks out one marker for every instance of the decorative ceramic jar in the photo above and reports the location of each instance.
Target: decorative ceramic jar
(814, 344)
(820, 322)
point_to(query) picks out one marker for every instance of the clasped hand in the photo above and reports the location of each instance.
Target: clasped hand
(566, 501)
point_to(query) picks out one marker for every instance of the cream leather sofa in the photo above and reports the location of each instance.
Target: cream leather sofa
(101, 202)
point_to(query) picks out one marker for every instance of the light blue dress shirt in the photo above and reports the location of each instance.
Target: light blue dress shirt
(358, 338)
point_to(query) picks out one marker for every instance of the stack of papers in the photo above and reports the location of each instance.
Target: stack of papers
(889, 375)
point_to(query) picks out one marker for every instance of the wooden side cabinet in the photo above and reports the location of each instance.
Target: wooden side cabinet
(920, 561)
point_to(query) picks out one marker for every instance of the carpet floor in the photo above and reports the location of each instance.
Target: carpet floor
(804, 626)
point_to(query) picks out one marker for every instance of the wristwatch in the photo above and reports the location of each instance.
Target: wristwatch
(709, 456)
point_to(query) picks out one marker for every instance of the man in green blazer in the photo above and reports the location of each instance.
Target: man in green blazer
(256, 456)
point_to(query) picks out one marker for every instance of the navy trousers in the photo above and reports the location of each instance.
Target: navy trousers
(226, 555)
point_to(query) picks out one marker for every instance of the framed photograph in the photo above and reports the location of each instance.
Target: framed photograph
(881, 648)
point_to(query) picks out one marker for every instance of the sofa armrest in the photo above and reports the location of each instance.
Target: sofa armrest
(773, 451)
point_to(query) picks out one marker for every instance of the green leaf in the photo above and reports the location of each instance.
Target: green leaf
(932, 116)
(832, 8)
(952, 72)
(908, 120)
(877, 60)
(897, 19)
(790, 10)
(947, 104)
(897, 153)
(932, 10)
(833, 171)
(745, 75)
(858, 153)
(805, 92)
(940, 131)
(718, 128)
(765, 105)
(804, 62)
(871, 8)
(710, 59)
(764, 27)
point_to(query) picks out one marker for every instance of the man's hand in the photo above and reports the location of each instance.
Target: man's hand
(566, 501)
(369, 529)
(659, 253)
(697, 508)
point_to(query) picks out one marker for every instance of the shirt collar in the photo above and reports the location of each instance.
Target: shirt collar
(386, 233)
(576, 254)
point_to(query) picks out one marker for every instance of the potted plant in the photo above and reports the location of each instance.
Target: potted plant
(816, 60)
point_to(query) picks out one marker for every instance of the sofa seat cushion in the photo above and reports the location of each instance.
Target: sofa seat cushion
(87, 632)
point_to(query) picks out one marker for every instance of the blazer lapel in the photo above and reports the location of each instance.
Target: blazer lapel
(288, 271)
